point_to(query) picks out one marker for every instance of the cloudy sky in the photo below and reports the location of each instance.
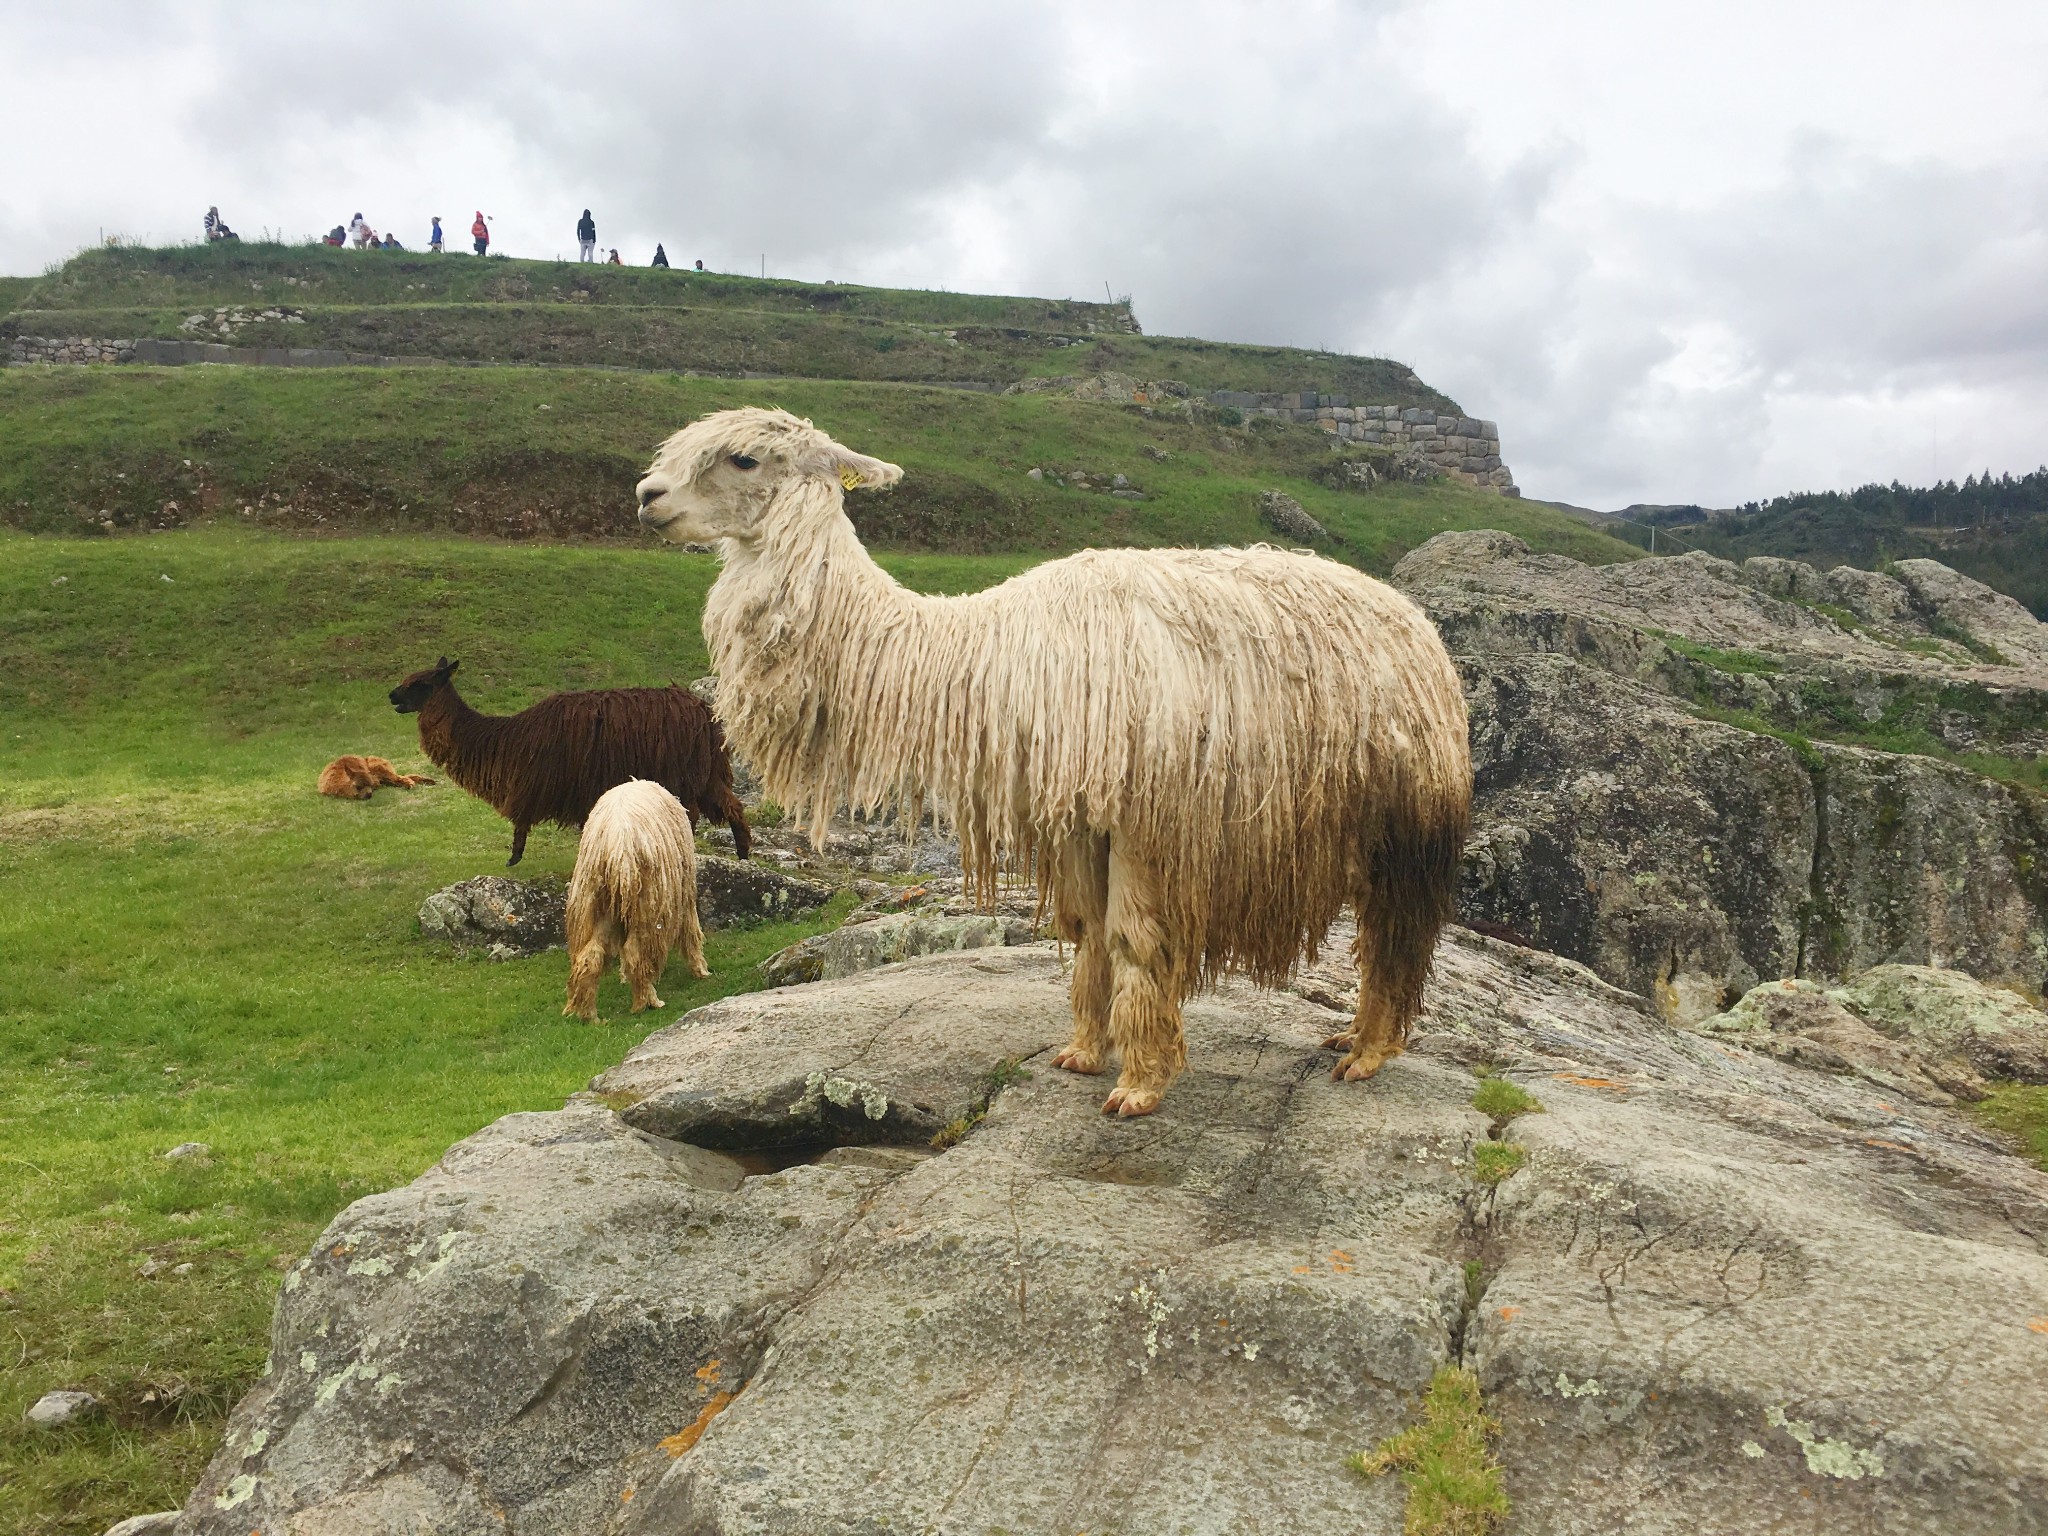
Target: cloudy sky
(1681, 252)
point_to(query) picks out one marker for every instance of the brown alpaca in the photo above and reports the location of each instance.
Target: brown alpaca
(550, 762)
(633, 896)
(357, 778)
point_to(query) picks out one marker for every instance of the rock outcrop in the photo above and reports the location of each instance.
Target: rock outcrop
(1725, 1292)
(1657, 794)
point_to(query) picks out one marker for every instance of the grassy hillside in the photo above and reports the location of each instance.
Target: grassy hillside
(522, 452)
(199, 948)
(455, 307)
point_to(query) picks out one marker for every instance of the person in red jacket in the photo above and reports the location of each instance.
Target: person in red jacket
(481, 233)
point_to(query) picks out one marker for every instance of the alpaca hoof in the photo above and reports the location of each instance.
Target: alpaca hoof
(1338, 1042)
(652, 1002)
(1126, 1102)
(1077, 1058)
(1363, 1062)
(701, 972)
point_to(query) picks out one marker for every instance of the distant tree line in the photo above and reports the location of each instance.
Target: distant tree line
(1979, 502)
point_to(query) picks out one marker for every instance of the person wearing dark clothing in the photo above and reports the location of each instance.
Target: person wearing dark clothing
(390, 242)
(613, 259)
(480, 232)
(700, 263)
(660, 256)
(586, 237)
(337, 236)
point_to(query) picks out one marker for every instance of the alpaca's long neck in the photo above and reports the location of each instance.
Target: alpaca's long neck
(797, 625)
(460, 739)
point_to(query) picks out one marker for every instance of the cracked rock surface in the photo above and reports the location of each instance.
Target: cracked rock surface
(1726, 1292)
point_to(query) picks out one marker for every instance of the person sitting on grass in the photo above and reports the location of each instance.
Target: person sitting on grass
(336, 236)
(216, 226)
(613, 259)
(660, 256)
(391, 243)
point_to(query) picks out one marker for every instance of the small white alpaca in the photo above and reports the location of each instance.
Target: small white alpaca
(1202, 755)
(633, 895)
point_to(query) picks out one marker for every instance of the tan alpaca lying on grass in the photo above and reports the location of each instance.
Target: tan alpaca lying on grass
(633, 895)
(1202, 755)
(357, 778)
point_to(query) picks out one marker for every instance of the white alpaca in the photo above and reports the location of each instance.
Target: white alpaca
(1201, 754)
(633, 895)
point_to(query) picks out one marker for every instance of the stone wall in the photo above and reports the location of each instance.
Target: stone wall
(68, 349)
(1463, 447)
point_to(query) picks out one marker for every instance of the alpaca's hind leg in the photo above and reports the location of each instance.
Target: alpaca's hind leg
(1144, 1006)
(1080, 909)
(640, 966)
(518, 843)
(587, 961)
(1378, 1032)
(729, 810)
(690, 940)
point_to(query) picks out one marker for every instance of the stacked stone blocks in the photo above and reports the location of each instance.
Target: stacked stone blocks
(1463, 447)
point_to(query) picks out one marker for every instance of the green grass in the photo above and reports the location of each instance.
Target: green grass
(1496, 1161)
(412, 304)
(1501, 1100)
(1454, 1484)
(199, 948)
(2020, 1110)
(1734, 663)
(526, 452)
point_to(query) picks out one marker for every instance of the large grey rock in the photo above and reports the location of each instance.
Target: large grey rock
(1726, 1293)
(1802, 1022)
(735, 891)
(888, 939)
(1645, 802)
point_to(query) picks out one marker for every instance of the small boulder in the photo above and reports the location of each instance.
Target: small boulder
(1284, 515)
(1800, 1022)
(160, 1524)
(1947, 1013)
(61, 1409)
(195, 1149)
(507, 918)
(732, 891)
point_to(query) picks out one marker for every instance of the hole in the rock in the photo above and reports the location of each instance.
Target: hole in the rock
(759, 1160)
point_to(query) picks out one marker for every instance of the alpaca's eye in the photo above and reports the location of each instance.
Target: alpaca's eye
(741, 461)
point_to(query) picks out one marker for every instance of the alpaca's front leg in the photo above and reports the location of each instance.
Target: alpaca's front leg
(640, 966)
(1080, 906)
(1144, 1007)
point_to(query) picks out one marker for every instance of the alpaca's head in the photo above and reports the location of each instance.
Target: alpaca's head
(726, 475)
(410, 696)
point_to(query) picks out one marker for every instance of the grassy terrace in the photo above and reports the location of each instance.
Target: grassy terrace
(521, 452)
(409, 305)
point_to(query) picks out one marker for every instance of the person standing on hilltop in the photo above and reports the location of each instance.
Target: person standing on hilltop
(434, 240)
(586, 237)
(480, 232)
(360, 232)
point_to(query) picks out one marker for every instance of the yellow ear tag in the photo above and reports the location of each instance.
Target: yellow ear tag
(849, 477)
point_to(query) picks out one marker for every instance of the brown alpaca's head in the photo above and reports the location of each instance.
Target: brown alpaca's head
(725, 475)
(410, 696)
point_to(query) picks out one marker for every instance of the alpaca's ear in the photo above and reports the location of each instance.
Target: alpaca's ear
(858, 472)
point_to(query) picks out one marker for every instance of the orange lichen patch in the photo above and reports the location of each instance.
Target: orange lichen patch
(2038, 1324)
(679, 1442)
(1591, 1082)
(1509, 1314)
(1303, 1269)
(1339, 1256)
(626, 1494)
(1889, 1146)
(709, 1370)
